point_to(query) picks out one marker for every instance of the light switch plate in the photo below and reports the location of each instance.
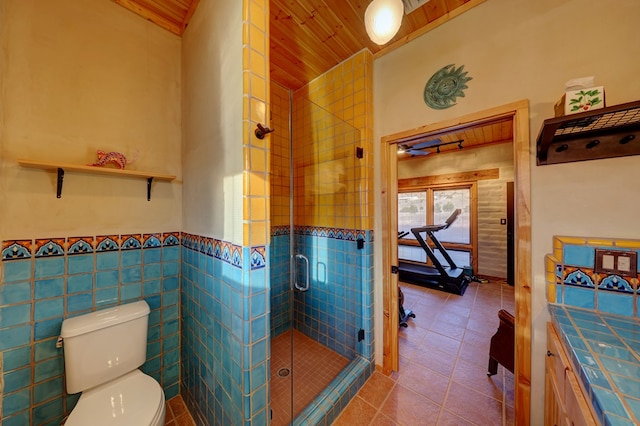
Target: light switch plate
(619, 262)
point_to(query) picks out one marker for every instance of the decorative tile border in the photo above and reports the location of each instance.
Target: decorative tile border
(151, 240)
(53, 247)
(225, 251)
(80, 245)
(322, 232)
(171, 239)
(49, 247)
(258, 257)
(131, 241)
(16, 249)
(107, 243)
(279, 230)
(572, 281)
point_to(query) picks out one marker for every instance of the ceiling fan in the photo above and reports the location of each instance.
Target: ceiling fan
(418, 149)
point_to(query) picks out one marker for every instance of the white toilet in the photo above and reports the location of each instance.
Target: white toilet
(102, 353)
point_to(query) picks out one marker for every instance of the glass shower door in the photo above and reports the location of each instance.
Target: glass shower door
(317, 319)
(325, 225)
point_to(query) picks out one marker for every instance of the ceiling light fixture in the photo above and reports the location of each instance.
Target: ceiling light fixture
(382, 19)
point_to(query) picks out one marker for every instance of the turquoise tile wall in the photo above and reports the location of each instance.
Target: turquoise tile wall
(225, 330)
(336, 306)
(47, 280)
(572, 279)
(340, 299)
(280, 318)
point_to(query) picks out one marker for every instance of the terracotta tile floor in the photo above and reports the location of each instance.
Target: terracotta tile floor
(177, 413)
(443, 364)
(314, 366)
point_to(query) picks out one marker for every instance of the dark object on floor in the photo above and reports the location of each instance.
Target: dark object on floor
(502, 344)
(450, 278)
(404, 315)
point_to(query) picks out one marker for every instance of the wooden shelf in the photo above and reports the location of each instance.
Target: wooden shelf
(601, 133)
(61, 167)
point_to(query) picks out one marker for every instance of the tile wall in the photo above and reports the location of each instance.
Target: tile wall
(280, 207)
(571, 279)
(225, 332)
(47, 280)
(225, 304)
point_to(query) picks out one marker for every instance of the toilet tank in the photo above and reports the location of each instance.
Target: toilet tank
(104, 345)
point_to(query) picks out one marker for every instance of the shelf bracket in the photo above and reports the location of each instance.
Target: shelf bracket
(60, 179)
(149, 181)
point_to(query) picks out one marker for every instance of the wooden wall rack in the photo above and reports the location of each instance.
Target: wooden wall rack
(602, 133)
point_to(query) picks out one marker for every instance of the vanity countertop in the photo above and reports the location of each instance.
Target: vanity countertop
(605, 352)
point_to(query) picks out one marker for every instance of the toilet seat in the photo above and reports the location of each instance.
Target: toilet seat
(134, 399)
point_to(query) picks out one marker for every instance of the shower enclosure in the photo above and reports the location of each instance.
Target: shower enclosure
(320, 259)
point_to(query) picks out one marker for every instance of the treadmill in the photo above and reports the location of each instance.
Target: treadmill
(449, 278)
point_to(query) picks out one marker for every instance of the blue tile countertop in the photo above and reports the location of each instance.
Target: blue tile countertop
(605, 353)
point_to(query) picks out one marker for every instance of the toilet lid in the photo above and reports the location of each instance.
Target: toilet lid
(133, 399)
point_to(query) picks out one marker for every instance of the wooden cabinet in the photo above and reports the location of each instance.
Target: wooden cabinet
(565, 403)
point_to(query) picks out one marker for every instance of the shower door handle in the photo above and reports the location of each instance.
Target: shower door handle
(304, 287)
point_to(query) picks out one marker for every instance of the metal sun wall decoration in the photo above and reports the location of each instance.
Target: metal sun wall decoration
(445, 86)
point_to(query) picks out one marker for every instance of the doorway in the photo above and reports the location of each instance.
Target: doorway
(517, 113)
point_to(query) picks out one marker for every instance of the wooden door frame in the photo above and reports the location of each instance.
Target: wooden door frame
(519, 112)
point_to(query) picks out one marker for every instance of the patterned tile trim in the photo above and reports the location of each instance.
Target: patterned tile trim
(80, 245)
(258, 257)
(49, 247)
(107, 243)
(16, 249)
(579, 277)
(615, 283)
(131, 241)
(279, 230)
(151, 240)
(171, 239)
(318, 231)
(222, 250)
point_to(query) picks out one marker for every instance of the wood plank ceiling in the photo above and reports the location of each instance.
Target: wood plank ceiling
(453, 139)
(309, 37)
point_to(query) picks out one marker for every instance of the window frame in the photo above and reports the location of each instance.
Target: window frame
(472, 246)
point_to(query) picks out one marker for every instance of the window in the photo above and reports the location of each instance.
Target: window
(433, 205)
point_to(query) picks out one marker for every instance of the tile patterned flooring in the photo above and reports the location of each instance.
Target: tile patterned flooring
(315, 366)
(443, 364)
(177, 413)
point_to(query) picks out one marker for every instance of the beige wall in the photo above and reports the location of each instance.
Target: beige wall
(492, 201)
(212, 121)
(522, 49)
(76, 77)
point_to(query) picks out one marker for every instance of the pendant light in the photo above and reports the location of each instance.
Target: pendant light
(382, 19)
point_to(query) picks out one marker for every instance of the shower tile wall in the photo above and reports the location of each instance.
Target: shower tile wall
(225, 331)
(47, 280)
(280, 211)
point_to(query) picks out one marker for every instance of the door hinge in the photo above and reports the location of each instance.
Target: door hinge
(359, 152)
(360, 335)
(394, 269)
